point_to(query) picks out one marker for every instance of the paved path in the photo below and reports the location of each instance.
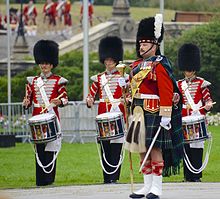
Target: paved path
(117, 191)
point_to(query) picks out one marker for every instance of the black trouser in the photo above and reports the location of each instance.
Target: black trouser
(112, 154)
(45, 157)
(195, 156)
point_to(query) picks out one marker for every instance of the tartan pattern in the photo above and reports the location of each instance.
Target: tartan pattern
(171, 142)
(176, 154)
(152, 122)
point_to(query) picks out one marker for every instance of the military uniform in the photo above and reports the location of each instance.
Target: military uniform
(189, 60)
(46, 51)
(153, 86)
(49, 11)
(30, 14)
(66, 14)
(109, 47)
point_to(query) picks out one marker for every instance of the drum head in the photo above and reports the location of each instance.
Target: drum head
(192, 119)
(42, 118)
(109, 115)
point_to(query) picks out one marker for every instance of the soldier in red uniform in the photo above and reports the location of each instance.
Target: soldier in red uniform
(153, 85)
(110, 53)
(49, 11)
(189, 63)
(46, 56)
(14, 19)
(30, 14)
(63, 9)
(67, 15)
(90, 12)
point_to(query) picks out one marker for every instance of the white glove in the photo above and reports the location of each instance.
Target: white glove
(121, 82)
(165, 122)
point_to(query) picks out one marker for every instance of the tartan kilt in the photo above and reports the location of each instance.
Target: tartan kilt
(169, 141)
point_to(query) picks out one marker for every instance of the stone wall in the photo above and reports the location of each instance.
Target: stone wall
(109, 28)
(172, 30)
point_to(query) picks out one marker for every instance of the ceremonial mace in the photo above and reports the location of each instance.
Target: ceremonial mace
(121, 69)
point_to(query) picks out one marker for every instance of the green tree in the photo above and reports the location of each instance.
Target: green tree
(207, 38)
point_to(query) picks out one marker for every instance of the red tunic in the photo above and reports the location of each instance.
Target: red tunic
(66, 13)
(199, 91)
(157, 83)
(30, 13)
(90, 10)
(97, 89)
(54, 86)
(49, 10)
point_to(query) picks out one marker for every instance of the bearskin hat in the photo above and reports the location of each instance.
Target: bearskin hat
(189, 57)
(150, 29)
(46, 51)
(13, 10)
(111, 47)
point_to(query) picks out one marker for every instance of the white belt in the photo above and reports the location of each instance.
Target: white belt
(107, 100)
(197, 106)
(38, 105)
(146, 96)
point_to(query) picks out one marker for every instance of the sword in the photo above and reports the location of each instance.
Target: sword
(150, 148)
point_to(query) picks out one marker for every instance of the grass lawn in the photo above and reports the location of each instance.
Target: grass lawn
(101, 12)
(79, 164)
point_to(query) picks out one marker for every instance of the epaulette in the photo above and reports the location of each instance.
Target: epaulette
(204, 83)
(180, 80)
(94, 78)
(62, 80)
(30, 79)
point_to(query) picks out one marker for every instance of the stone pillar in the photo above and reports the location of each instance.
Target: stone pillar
(121, 9)
(121, 14)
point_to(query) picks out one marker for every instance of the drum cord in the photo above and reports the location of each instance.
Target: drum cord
(122, 155)
(190, 166)
(46, 166)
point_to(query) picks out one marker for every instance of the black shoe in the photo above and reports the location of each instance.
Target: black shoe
(196, 180)
(152, 196)
(107, 181)
(134, 195)
(113, 181)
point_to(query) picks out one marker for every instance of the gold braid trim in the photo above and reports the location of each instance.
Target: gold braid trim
(137, 79)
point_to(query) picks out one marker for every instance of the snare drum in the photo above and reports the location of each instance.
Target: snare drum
(110, 126)
(194, 128)
(44, 128)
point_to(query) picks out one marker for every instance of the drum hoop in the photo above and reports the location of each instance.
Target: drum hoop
(117, 115)
(99, 138)
(203, 138)
(192, 121)
(52, 116)
(40, 141)
(37, 122)
(107, 120)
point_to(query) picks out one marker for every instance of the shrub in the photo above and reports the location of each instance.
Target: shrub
(207, 38)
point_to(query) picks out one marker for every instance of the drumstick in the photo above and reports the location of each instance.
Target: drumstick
(202, 107)
(26, 94)
(50, 104)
